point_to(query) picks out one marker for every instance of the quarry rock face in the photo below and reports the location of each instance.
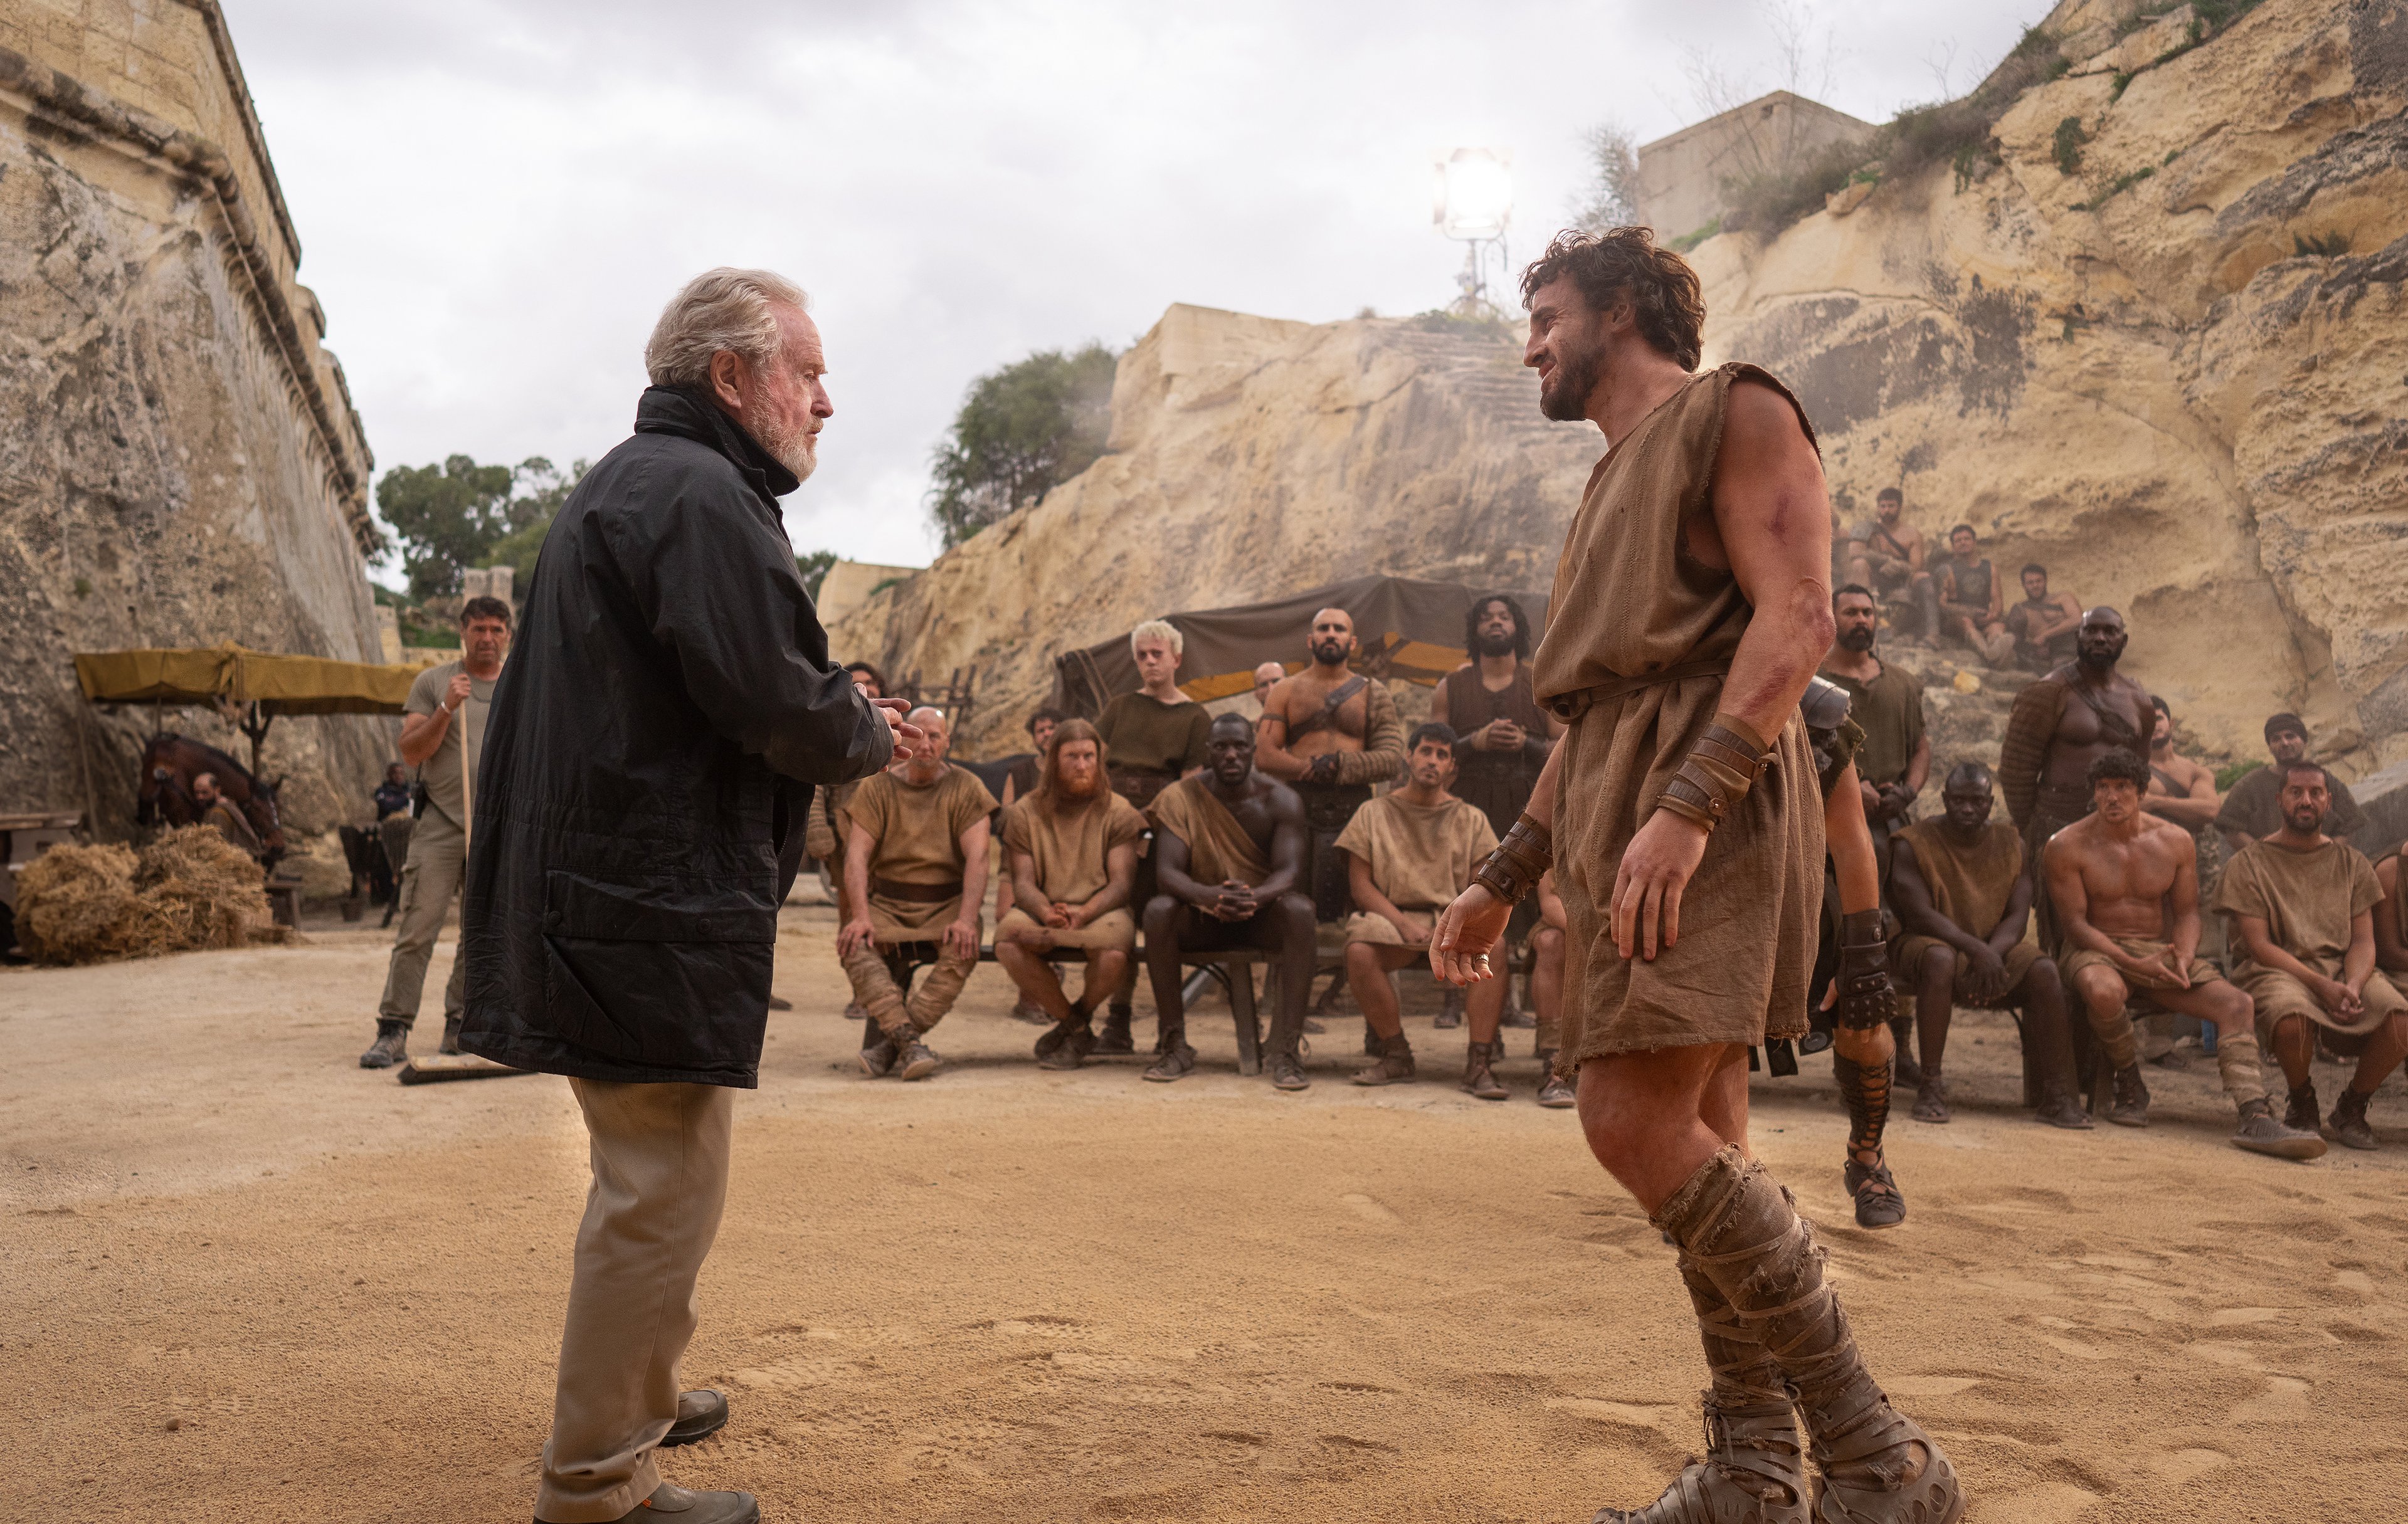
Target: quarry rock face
(2185, 391)
(1249, 458)
(2177, 376)
(179, 463)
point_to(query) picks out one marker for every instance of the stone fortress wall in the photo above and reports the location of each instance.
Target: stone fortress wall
(180, 461)
(2153, 385)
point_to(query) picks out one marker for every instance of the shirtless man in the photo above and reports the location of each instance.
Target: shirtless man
(2179, 790)
(1887, 553)
(2043, 623)
(1972, 607)
(1333, 733)
(1228, 851)
(2060, 726)
(1267, 676)
(2127, 894)
(1961, 888)
(2303, 905)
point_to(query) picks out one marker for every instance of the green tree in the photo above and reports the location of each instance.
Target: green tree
(540, 488)
(1610, 197)
(1022, 431)
(814, 568)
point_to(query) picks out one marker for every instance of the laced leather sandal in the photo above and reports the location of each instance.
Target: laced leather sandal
(1393, 1061)
(2300, 1113)
(1115, 1039)
(1174, 1059)
(1752, 1473)
(2131, 1107)
(1879, 1202)
(1479, 1075)
(2349, 1126)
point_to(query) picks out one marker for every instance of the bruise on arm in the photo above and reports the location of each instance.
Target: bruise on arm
(1770, 525)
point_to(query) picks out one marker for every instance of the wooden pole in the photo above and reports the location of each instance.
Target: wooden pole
(468, 779)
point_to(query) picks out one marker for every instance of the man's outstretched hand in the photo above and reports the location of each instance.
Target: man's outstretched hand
(1466, 934)
(906, 737)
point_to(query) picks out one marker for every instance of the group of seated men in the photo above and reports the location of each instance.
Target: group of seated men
(1957, 594)
(1217, 834)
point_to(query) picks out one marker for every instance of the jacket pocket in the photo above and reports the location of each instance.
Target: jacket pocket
(664, 972)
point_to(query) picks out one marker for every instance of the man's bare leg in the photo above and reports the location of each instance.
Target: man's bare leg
(1177, 1060)
(2237, 1063)
(1485, 1004)
(1770, 1324)
(2050, 1039)
(2104, 995)
(1367, 966)
(1864, 1060)
(1034, 977)
(1293, 919)
(2385, 1046)
(1935, 1002)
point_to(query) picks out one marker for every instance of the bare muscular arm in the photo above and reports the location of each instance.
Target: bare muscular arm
(2196, 805)
(1288, 845)
(1271, 755)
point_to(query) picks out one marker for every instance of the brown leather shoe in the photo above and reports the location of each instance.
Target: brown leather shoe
(676, 1505)
(700, 1415)
(1393, 1061)
(1479, 1075)
(2349, 1125)
(2131, 1107)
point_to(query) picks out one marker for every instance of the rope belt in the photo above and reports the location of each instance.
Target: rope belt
(889, 888)
(1570, 706)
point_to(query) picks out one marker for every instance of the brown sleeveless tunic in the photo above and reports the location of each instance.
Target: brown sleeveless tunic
(1630, 600)
(1499, 783)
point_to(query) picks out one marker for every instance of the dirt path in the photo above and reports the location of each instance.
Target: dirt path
(245, 1279)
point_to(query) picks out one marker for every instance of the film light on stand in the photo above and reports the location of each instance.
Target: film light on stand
(1474, 206)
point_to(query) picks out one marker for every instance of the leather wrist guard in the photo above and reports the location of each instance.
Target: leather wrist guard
(1866, 999)
(1513, 870)
(1721, 768)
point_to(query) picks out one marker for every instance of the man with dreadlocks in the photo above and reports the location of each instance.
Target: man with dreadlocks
(1682, 815)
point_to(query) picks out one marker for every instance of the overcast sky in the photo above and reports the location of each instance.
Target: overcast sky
(496, 198)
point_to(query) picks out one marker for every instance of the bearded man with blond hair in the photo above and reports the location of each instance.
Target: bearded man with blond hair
(1684, 818)
(648, 766)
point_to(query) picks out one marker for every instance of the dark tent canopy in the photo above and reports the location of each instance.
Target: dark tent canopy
(1409, 629)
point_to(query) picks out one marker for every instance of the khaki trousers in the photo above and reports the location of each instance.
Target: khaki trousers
(430, 881)
(660, 1181)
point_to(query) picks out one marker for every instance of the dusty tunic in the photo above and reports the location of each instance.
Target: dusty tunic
(2255, 806)
(1498, 783)
(1148, 743)
(2307, 900)
(1419, 856)
(918, 831)
(1070, 845)
(1972, 887)
(1218, 848)
(1889, 709)
(1630, 601)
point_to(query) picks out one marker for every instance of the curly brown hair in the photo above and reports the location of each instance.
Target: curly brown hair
(1627, 264)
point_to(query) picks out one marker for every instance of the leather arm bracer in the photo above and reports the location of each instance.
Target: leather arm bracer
(1719, 770)
(1866, 999)
(1513, 871)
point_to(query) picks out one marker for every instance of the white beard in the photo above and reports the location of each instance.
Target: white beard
(797, 450)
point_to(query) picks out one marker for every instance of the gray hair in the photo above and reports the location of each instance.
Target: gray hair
(725, 309)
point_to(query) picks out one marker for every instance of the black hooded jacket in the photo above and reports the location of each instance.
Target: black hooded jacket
(648, 766)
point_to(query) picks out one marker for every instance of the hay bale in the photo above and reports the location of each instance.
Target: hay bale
(189, 889)
(70, 902)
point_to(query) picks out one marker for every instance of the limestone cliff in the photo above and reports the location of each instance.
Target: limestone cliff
(1249, 458)
(2145, 381)
(179, 463)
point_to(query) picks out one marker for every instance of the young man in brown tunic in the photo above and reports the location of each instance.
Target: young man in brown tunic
(1229, 849)
(1154, 736)
(1070, 861)
(915, 874)
(1960, 888)
(1332, 733)
(2303, 908)
(2252, 811)
(1683, 814)
(2059, 727)
(1886, 703)
(2127, 887)
(1409, 853)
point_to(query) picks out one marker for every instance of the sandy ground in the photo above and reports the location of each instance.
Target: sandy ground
(246, 1279)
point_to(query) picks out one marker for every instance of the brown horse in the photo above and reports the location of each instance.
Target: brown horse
(169, 764)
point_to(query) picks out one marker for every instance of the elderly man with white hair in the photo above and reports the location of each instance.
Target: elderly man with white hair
(915, 878)
(647, 772)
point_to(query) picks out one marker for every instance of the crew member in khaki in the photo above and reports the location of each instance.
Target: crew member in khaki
(1683, 814)
(915, 874)
(1070, 861)
(1409, 853)
(443, 736)
(2126, 888)
(2303, 908)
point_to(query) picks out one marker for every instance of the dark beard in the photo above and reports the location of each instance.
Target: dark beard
(1329, 652)
(2098, 663)
(1860, 639)
(1494, 645)
(1567, 401)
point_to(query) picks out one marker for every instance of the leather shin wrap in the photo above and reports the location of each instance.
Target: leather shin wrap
(1742, 1372)
(1866, 998)
(1513, 871)
(1865, 1087)
(2237, 1063)
(1719, 770)
(1753, 1472)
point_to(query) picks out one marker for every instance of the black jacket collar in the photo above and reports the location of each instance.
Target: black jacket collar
(689, 414)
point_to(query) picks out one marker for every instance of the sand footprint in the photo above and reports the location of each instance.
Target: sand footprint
(1370, 1210)
(2180, 1466)
(2283, 1401)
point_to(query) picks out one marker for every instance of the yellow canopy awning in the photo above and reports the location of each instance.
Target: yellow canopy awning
(280, 685)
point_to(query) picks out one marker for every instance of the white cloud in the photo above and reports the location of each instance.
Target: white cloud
(494, 196)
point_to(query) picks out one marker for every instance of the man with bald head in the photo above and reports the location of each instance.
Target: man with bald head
(1331, 733)
(2061, 724)
(915, 874)
(1267, 676)
(1960, 884)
